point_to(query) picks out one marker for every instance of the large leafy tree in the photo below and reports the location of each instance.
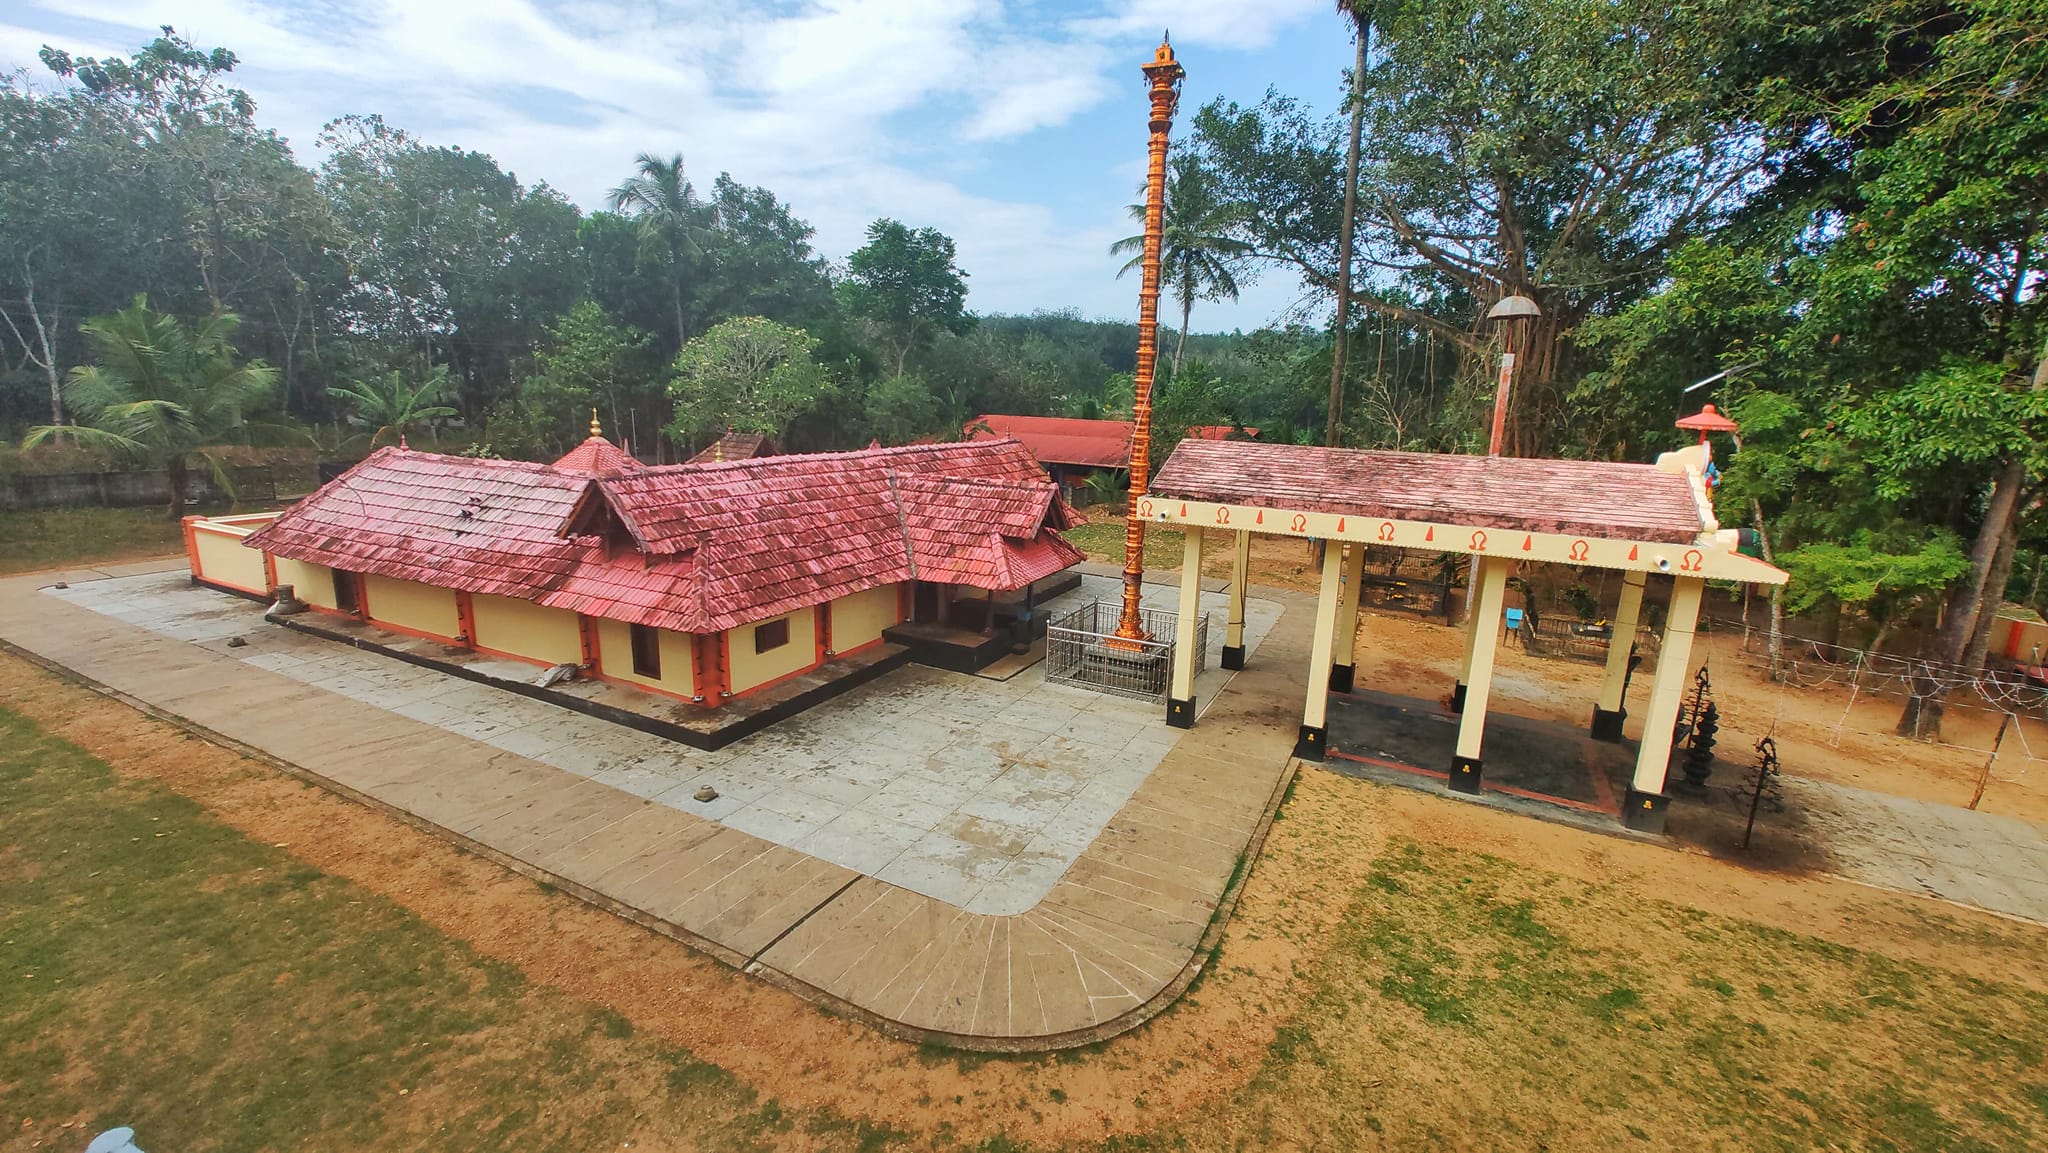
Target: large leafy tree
(748, 374)
(906, 282)
(589, 362)
(161, 392)
(1199, 259)
(1550, 148)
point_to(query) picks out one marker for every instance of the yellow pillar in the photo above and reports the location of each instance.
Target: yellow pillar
(1240, 571)
(1180, 700)
(1315, 733)
(1473, 619)
(1345, 655)
(1608, 711)
(1493, 582)
(1644, 809)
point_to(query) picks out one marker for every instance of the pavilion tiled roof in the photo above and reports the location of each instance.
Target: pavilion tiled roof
(1574, 497)
(719, 545)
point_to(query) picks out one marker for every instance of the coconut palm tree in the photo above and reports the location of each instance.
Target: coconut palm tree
(391, 406)
(160, 392)
(659, 196)
(1198, 258)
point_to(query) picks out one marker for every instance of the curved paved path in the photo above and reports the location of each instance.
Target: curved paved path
(1113, 941)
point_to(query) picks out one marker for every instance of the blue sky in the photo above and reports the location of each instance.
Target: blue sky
(1017, 126)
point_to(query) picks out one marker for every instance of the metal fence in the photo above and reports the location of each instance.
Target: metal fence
(1079, 651)
(1581, 640)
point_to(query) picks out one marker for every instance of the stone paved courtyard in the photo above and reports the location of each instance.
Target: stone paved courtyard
(980, 793)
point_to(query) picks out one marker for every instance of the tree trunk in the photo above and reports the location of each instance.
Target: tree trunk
(1994, 597)
(1958, 636)
(180, 479)
(1345, 228)
(1777, 637)
(1187, 305)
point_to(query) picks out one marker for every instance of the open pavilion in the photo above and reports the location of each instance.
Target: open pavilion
(1640, 519)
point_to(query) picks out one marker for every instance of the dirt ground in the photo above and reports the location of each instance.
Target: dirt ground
(1814, 738)
(1207, 1049)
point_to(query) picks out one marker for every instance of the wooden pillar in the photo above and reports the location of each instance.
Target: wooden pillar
(1465, 765)
(1610, 710)
(1240, 571)
(1315, 732)
(465, 618)
(1343, 651)
(1180, 700)
(1644, 809)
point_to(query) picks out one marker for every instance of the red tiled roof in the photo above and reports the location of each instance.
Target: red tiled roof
(1577, 497)
(485, 526)
(596, 456)
(734, 446)
(1063, 439)
(1083, 443)
(723, 544)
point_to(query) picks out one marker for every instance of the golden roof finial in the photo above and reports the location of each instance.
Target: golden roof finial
(595, 429)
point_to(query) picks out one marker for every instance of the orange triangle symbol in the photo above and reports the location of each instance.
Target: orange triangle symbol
(1340, 524)
(1183, 508)
(1431, 534)
(1261, 518)
(1526, 541)
(1632, 552)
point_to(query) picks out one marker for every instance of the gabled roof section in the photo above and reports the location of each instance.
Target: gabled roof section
(597, 456)
(670, 508)
(734, 446)
(475, 525)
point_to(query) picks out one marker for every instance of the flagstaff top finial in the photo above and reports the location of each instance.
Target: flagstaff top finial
(1164, 66)
(595, 429)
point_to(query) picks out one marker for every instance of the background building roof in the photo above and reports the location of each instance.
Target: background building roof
(1077, 442)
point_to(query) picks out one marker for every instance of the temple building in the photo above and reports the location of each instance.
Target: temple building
(704, 582)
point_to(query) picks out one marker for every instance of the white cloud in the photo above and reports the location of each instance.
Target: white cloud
(848, 109)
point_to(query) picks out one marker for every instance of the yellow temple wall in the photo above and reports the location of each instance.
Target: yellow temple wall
(311, 583)
(859, 619)
(524, 629)
(615, 658)
(752, 670)
(224, 561)
(408, 605)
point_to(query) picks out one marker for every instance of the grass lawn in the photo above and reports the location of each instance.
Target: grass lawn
(1471, 1002)
(53, 537)
(1103, 540)
(161, 970)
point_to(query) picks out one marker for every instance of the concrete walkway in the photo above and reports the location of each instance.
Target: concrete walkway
(1113, 940)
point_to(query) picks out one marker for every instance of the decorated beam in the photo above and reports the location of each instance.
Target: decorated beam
(1712, 557)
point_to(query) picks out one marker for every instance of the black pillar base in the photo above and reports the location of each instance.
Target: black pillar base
(1309, 745)
(1465, 775)
(1180, 714)
(1606, 725)
(1233, 657)
(1341, 677)
(1458, 698)
(1644, 812)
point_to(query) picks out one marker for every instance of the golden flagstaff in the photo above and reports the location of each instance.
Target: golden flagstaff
(1165, 74)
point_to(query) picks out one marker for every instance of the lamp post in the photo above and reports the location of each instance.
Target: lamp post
(1512, 311)
(1164, 74)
